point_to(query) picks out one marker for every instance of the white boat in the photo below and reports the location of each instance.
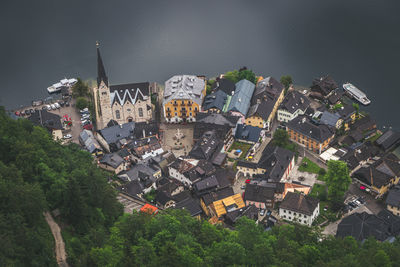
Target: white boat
(64, 83)
(356, 93)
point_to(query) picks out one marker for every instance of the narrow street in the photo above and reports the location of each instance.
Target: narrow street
(59, 245)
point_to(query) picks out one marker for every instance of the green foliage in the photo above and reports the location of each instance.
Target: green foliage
(337, 106)
(356, 106)
(80, 89)
(286, 80)
(210, 84)
(281, 139)
(337, 179)
(308, 166)
(150, 196)
(243, 73)
(81, 103)
(39, 174)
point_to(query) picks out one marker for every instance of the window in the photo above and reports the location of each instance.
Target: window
(175, 108)
(290, 212)
(305, 216)
(140, 112)
(190, 109)
(190, 114)
(176, 114)
(183, 102)
(104, 93)
(117, 114)
(195, 109)
(129, 110)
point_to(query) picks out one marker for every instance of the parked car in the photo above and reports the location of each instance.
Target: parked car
(62, 103)
(269, 212)
(247, 181)
(88, 126)
(85, 116)
(262, 212)
(67, 136)
(44, 107)
(67, 104)
(57, 105)
(243, 187)
(53, 107)
(27, 112)
(48, 107)
(84, 110)
(22, 113)
(86, 122)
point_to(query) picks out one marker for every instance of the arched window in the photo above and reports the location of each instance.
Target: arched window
(140, 112)
(117, 114)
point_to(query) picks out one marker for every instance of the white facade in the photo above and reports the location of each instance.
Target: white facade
(295, 216)
(286, 116)
(174, 173)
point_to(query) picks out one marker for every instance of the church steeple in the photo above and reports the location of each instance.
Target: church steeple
(101, 72)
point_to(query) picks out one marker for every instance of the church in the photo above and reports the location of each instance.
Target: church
(120, 103)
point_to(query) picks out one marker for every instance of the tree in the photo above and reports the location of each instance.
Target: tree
(281, 138)
(247, 74)
(337, 179)
(81, 103)
(356, 107)
(80, 88)
(286, 80)
(233, 76)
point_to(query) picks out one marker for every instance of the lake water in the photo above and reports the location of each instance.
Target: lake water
(356, 41)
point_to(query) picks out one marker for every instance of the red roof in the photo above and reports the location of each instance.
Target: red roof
(150, 209)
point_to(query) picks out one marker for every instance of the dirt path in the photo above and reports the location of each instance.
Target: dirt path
(61, 255)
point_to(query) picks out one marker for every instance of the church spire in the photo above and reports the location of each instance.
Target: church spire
(101, 73)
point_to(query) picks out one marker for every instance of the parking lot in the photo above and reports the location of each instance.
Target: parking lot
(71, 111)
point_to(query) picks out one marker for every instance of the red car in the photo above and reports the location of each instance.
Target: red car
(88, 126)
(247, 181)
(362, 187)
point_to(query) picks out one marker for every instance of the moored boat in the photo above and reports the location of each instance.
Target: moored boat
(64, 83)
(356, 93)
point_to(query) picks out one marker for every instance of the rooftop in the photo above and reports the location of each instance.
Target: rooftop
(240, 101)
(299, 203)
(303, 125)
(184, 87)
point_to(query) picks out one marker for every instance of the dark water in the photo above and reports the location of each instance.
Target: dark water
(358, 41)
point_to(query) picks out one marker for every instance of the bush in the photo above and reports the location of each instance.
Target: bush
(81, 103)
(322, 171)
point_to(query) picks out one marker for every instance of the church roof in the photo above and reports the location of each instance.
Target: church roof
(101, 72)
(131, 92)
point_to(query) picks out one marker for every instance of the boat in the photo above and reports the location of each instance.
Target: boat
(356, 93)
(64, 83)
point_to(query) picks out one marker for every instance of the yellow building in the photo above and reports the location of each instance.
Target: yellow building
(183, 97)
(266, 99)
(231, 203)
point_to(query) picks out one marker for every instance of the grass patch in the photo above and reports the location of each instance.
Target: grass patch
(319, 191)
(242, 146)
(374, 138)
(308, 166)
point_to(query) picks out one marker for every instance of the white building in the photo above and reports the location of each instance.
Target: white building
(300, 208)
(293, 105)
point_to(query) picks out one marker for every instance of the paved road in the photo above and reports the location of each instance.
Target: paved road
(61, 255)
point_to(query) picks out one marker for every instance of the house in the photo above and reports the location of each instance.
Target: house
(274, 165)
(224, 85)
(380, 175)
(348, 114)
(299, 208)
(224, 126)
(50, 121)
(388, 140)
(150, 209)
(248, 134)
(323, 86)
(146, 174)
(228, 204)
(213, 183)
(335, 97)
(183, 98)
(207, 200)
(393, 200)
(267, 97)
(331, 119)
(364, 123)
(115, 137)
(361, 226)
(360, 155)
(145, 148)
(238, 104)
(122, 102)
(215, 102)
(112, 162)
(179, 170)
(207, 147)
(165, 196)
(296, 188)
(189, 203)
(250, 212)
(87, 139)
(294, 104)
(312, 136)
(260, 196)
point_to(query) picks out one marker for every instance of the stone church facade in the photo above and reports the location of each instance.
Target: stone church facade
(120, 103)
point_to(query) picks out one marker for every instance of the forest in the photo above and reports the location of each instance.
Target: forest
(38, 174)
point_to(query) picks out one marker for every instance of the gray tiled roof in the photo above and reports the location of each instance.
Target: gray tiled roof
(267, 87)
(248, 133)
(295, 100)
(114, 133)
(114, 160)
(389, 139)
(329, 118)
(299, 203)
(240, 101)
(258, 193)
(303, 125)
(393, 197)
(184, 87)
(215, 100)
